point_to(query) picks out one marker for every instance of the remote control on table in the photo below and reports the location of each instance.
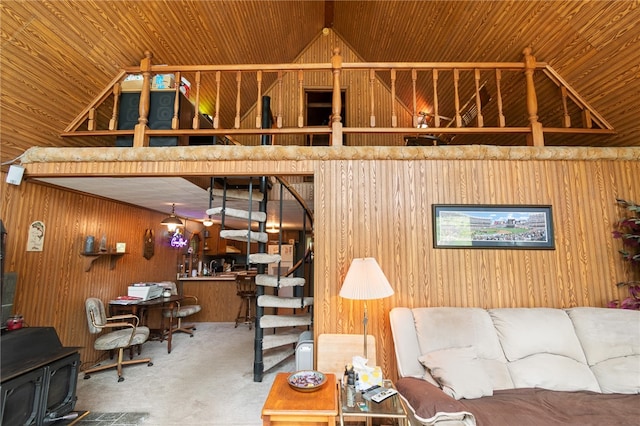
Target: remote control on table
(381, 396)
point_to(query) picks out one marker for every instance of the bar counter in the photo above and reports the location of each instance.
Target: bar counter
(216, 294)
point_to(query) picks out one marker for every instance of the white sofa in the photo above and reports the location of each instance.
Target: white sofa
(518, 366)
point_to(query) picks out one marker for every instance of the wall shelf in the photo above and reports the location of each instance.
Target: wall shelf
(92, 257)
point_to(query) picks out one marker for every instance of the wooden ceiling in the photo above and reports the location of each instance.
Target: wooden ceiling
(56, 56)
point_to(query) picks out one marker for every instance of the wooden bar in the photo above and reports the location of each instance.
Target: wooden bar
(238, 100)
(140, 139)
(196, 103)
(501, 119)
(216, 118)
(394, 114)
(259, 101)
(113, 123)
(175, 121)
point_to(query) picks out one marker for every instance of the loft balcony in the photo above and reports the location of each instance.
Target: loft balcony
(371, 104)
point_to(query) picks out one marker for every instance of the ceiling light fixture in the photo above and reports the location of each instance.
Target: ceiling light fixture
(172, 222)
(207, 221)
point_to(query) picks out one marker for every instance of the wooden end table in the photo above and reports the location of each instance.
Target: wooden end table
(288, 406)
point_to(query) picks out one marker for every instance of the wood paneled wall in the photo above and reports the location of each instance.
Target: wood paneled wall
(52, 284)
(357, 101)
(379, 208)
(383, 209)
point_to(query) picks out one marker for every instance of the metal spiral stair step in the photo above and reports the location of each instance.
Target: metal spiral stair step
(237, 213)
(279, 282)
(283, 337)
(274, 321)
(238, 194)
(244, 235)
(275, 356)
(264, 258)
(270, 301)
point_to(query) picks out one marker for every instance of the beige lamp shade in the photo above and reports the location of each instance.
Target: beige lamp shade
(365, 281)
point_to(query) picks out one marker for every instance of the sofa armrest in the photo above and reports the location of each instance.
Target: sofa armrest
(430, 406)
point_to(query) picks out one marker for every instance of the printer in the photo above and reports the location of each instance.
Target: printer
(145, 291)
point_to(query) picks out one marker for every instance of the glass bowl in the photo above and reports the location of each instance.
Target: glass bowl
(306, 380)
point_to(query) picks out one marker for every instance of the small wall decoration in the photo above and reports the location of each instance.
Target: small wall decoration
(35, 241)
(148, 243)
(492, 226)
(121, 247)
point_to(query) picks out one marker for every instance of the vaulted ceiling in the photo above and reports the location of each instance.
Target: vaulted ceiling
(58, 55)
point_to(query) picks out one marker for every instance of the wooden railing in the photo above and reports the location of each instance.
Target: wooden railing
(467, 118)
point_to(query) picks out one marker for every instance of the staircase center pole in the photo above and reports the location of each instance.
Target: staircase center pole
(258, 362)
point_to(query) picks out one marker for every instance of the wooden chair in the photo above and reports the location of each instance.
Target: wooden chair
(246, 290)
(181, 311)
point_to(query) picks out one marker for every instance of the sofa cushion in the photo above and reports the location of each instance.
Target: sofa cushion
(458, 372)
(553, 372)
(542, 349)
(610, 339)
(448, 327)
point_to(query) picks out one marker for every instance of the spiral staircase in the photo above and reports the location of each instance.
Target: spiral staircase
(283, 311)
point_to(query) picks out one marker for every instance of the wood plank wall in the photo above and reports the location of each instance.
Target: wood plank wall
(379, 208)
(52, 284)
(383, 209)
(357, 101)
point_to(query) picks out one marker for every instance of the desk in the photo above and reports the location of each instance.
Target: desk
(287, 406)
(140, 310)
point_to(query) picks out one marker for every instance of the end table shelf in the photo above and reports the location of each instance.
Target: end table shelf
(92, 257)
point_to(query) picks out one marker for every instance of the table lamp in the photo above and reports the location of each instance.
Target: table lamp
(365, 281)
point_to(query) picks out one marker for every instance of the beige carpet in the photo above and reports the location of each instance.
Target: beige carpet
(205, 380)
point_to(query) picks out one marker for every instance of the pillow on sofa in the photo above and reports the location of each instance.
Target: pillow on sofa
(459, 372)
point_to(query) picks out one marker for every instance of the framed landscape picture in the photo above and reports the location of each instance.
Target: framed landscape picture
(492, 226)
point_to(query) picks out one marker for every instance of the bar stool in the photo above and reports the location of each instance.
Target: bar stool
(246, 290)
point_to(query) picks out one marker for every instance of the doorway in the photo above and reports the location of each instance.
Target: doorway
(318, 113)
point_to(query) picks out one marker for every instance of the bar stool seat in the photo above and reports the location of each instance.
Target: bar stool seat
(246, 290)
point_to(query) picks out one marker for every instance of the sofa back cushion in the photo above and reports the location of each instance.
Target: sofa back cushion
(455, 328)
(542, 349)
(610, 339)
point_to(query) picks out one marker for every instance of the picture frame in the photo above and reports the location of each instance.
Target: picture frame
(493, 226)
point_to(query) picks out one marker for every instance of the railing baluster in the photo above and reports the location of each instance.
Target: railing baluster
(259, 100)
(216, 118)
(113, 123)
(372, 80)
(175, 121)
(140, 138)
(536, 137)
(456, 79)
(478, 100)
(566, 122)
(394, 114)
(435, 98)
(414, 78)
(238, 83)
(336, 103)
(91, 124)
(300, 99)
(501, 120)
(196, 120)
(280, 96)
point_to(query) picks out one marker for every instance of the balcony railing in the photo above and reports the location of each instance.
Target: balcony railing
(419, 91)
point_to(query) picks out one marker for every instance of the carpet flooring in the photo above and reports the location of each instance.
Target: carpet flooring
(206, 380)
